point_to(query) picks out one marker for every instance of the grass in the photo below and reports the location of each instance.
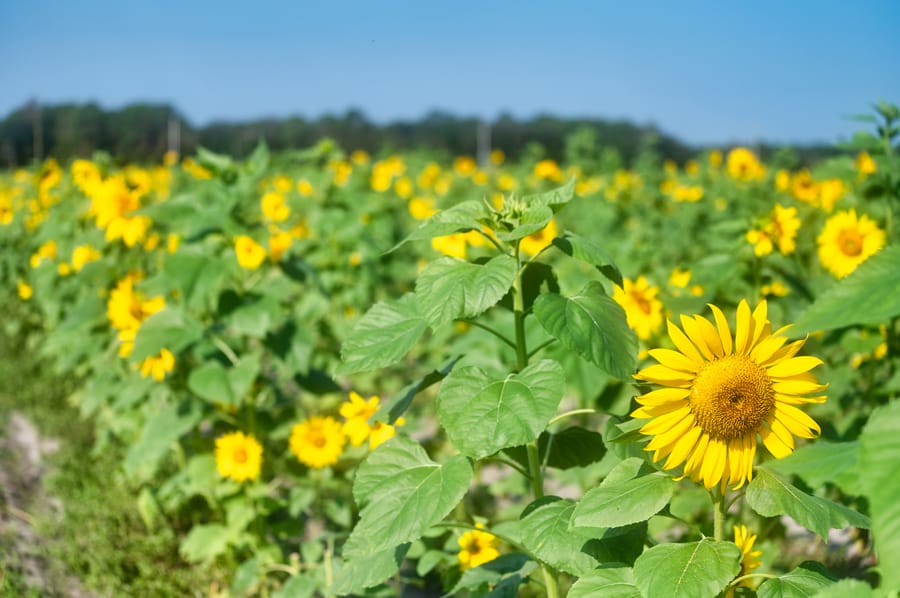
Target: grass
(97, 536)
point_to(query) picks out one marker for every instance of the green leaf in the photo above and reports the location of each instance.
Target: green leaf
(197, 276)
(771, 496)
(257, 317)
(158, 435)
(404, 493)
(204, 543)
(383, 336)
(547, 533)
(555, 199)
(879, 471)
(587, 251)
(245, 577)
(357, 574)
(484, 414)
(215, 383)
(592, 325)
(618, 503)
(398, 404)
(701, 568)
(847, 588)
(498, 578)
(803, 582)
(449, 288)
(303, 585)
(169, 328)
(867, 296)
(459, 218)
(613, 582)
(568, 448)
(823, 462)
(530, 221)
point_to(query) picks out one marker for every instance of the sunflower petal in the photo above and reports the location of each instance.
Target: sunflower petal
(668, 438)
(683, 343)
(674, 360)
(743, 327)
(691, 467)
(766, 348)
(797, 421)
(794, 400)
(665, 422)
(651, 411)
(693, 332)
(714, 464)
(794, 366)
(724, 330)
(663, 375)
(774, 444)
(795, 386)
(761, 324)
(708, 331)
(663, 395)
(683, 448)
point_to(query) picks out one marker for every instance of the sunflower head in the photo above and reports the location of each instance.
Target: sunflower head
(847, 241)
(476, 548)
(318, 441)
(238, 456)
(720, 391)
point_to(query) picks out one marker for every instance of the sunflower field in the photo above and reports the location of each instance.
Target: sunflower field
(342, 374)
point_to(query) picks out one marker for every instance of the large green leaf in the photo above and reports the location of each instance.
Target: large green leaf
(484, 414)
(383, 336)
(622, 499)
(547, 533)
(867, 296)
(612, 582)
(701, 568)
(404, 493)
(823, 462)
(771, 496)
(587, 251)
(568, 448)
(197, 276)
(170, 329)
(879, 470)
(803, 582)
(158, 435)
(449, 288)
(593, 325)
(461, 217)
(355, 575)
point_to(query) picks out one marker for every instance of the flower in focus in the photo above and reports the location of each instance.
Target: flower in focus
(643, 310)
(158, 366)
(238, 456)
(477, 548)
(534, 243)
(720, 391)
(250, 254)
(318, 441)
(847, 241)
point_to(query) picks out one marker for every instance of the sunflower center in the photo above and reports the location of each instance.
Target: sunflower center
(850, 242)
(240, 455)
(641, 301)
(731, 397)
(318, 440)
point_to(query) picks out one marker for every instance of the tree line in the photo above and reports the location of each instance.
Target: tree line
(143, 132)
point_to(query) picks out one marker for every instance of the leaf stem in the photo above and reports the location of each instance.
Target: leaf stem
(225, 349)
(718, 498)
(563, 416)
(541, 346)
(492, 331)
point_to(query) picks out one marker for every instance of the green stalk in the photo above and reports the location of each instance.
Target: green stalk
(718, 498)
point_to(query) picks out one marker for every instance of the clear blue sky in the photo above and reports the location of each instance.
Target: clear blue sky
(706, 71)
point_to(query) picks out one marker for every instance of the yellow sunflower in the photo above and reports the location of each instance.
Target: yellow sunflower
(847, 241)
(643, 311)
(318, 441)
(537, 241)
(357, 412)
(477, 548)
(250, 254)
(749, 557)
(238, 456)
(720, 391)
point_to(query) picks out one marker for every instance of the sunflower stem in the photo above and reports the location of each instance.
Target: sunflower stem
(718, 498)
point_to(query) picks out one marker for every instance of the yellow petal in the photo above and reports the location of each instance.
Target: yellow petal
(796, 421)
(671, 436)
(674, 360)
(760, 323)
(663, 395)
(714, 462)
(785, 352)
(774, 444)
(764, 351)
(693, 332)
(798, 387)
(683, 343)
(794, 366)
(794, 400)
(683, 448)
(780, 430)
(724, 330)
(651, 411)
(664, 422)
(710, 336)
(696, 457)
(663, 376)
(743, 326)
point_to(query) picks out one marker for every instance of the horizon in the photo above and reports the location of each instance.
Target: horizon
(699, 72)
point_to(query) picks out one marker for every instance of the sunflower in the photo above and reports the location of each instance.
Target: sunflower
(477, 548)
(318, 441)
(250, 254)
(720, 391)
(749, 557)
(847, 241)
(157, 366)
(643, 311)
(534, 243)
(238, 456)
(357, 412)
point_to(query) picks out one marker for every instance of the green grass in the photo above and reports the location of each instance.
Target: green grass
(98, 537)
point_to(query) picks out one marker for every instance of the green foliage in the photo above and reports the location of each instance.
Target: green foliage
(805, 580)
(701, 568)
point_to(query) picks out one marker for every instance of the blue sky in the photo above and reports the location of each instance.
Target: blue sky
(705, 71)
